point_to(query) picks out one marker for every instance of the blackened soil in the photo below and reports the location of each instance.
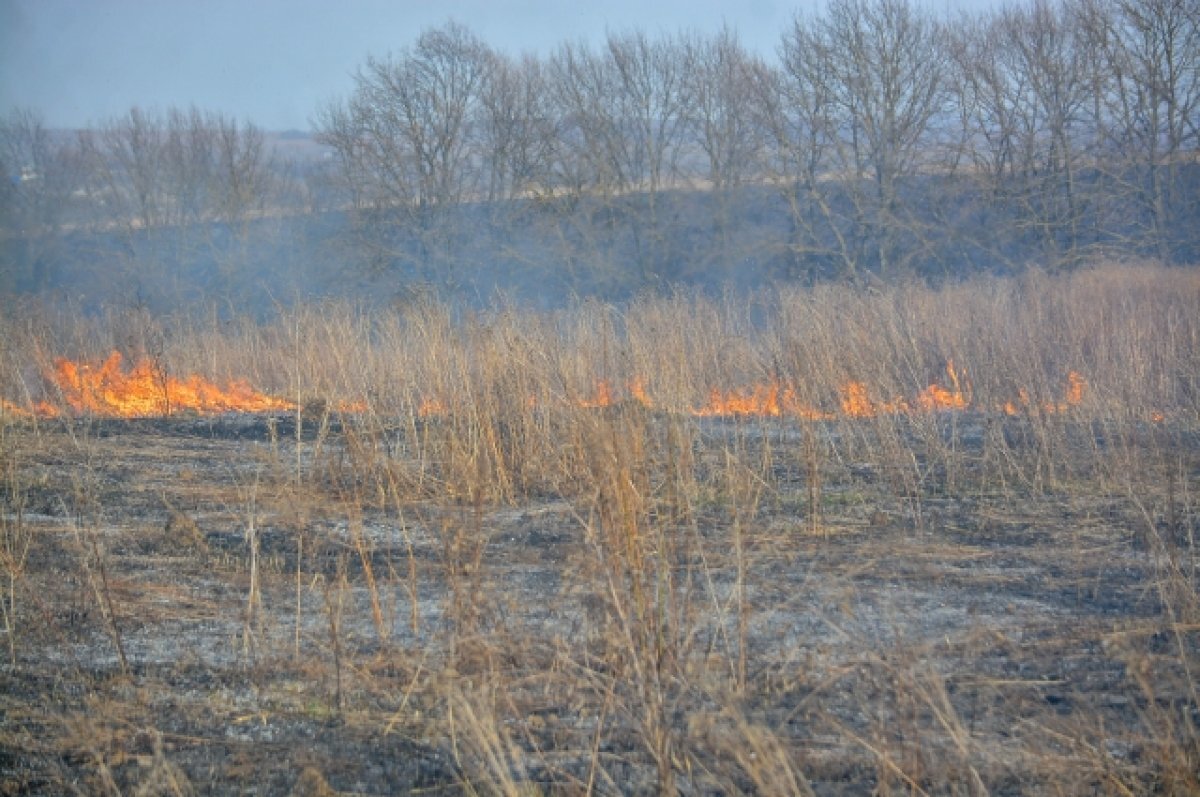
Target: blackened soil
(238, 605)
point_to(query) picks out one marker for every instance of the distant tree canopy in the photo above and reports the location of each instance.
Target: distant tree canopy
(882, 140)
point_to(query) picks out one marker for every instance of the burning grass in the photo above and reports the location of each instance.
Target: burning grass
(108, 390)
(1034, 346)
(820, 541)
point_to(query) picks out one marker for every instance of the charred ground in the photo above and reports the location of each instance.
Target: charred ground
(189, 618)
(908, 540)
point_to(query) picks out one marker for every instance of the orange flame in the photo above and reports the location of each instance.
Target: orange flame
(431, 407)
(759, 400)
(774, 400)
(8, 408)
(1076, 385)
(605, 396)
(1073, 397)
(637, 389)
(771, 400)
(351, 406)
(857, 402)
(110, 390)
(936, 397)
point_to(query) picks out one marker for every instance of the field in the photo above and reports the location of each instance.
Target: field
(906, 540)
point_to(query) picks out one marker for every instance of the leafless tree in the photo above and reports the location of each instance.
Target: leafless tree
(41, 195)
(887, 67)
(41, 173)
(796, 105)
(125, 160)
(1024, 77)
(719, 77)
(518, 129)
(246, 173)
(407, 141)
(719, 72)
(189, 160)
(186, 190)
(625, 113)
(853, 110)
(214, 169)
(1146, 93)
(888, 138)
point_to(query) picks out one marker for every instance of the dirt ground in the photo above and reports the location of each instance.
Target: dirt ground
(218, 606)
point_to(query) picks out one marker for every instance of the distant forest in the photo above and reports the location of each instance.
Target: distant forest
(880, 142)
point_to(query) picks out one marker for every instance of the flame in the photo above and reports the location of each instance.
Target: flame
(8, 408)
(1076, 385)
(1072, 397)
(605, 396)
(936, 397)
(775, 400)
(760, 400)
(637, 389)
(857, 402)
(431, 407)
(352, 407)
(1014, 407)
(771, 400)
(602, 397)
(110, 390)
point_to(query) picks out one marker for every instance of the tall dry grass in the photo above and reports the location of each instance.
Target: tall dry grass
(1130, 331)
(432, 416)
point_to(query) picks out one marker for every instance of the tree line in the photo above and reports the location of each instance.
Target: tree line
(881, 140)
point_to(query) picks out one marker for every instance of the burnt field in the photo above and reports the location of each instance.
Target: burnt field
(923, 551)
(188, 617)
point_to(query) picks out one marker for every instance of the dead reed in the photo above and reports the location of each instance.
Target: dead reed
(913, 539)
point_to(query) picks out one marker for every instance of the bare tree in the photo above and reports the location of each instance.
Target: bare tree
(889, 86)
(719, 76)
(1147, 105)
(407, 142)
(796, 105)
(625, 113)
(182, 167)
(186, 190)
(518, 129)
(125, 159)
(189, 160)
(719, 72)
(1024, 77)
(654, 106)
(853, 111)
(1051, 55)
(41, 195)
(41, 174)
(895, 139)
(595, 150)
(990, 95)
(430, 96)
(246, 171)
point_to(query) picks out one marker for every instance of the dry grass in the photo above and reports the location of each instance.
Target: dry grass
(504, 546)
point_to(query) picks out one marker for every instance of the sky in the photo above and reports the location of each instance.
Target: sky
(277, 62)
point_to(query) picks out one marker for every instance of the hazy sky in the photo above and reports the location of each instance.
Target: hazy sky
(275, 62)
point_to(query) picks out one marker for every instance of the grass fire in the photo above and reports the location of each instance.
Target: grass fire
(818, 540)
(109, 390)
